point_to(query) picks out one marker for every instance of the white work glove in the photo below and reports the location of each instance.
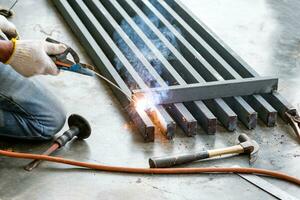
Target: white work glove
(30, 57)
(8, 28)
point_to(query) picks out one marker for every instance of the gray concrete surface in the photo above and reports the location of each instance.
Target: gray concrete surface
(264, 32)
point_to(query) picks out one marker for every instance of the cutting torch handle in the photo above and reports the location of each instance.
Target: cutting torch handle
(169, 161)
(64, 55)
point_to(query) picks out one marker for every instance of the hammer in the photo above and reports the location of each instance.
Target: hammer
(78, 126)
(246, 146)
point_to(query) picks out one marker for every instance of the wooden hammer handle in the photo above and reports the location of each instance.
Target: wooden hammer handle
(228, 150)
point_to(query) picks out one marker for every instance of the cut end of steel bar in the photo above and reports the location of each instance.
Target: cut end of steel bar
(162, 121)
(142, 122)
(186, 122)
(271, 119)
(232, 123)
(252, 121)
(211, 127)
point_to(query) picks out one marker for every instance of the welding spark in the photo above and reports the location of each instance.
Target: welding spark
(143, 104)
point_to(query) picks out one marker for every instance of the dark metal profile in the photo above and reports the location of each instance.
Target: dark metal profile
(210, 90)
(158, 45)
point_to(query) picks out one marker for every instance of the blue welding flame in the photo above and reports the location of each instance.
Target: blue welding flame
(146, 51)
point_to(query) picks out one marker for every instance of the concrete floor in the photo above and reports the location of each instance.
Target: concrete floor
(264, 32)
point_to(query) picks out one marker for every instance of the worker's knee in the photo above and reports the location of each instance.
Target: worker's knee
(30, 110)
(52, 122)
(44, 124)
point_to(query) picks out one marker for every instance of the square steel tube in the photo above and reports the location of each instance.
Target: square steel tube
(166, 123)
(209, 90)
(139, 118)
(238, 64)
(178, 111)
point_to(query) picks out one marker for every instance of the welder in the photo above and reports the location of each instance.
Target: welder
(27, 109)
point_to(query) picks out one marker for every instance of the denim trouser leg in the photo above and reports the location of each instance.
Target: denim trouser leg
(27, 110)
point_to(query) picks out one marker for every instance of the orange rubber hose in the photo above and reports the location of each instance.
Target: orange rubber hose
(262, 172)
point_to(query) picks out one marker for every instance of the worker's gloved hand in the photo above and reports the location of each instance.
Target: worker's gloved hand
(31, 57)
(8, 28)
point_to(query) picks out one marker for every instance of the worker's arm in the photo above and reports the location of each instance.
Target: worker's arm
(27, 57)
(6, 47)
(6, 50)
(31, 57)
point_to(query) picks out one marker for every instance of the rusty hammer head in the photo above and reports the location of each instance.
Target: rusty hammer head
(250, 147)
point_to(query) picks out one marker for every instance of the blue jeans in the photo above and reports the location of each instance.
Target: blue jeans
(27, 109)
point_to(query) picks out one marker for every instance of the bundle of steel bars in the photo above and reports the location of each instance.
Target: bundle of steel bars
(199, 59)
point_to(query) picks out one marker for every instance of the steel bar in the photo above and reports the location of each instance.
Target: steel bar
(204, 116)
(224, 112)
(280, 104)
(246, 113)
(178, 111)
(188, 72)
(226, 71)
(237, 63)
(139, 118)
(210, 90)
(262, 107)
(206, 119)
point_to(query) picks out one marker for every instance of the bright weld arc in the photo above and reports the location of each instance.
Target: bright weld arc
(140, 103)
(143, 103)
(148, 104)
